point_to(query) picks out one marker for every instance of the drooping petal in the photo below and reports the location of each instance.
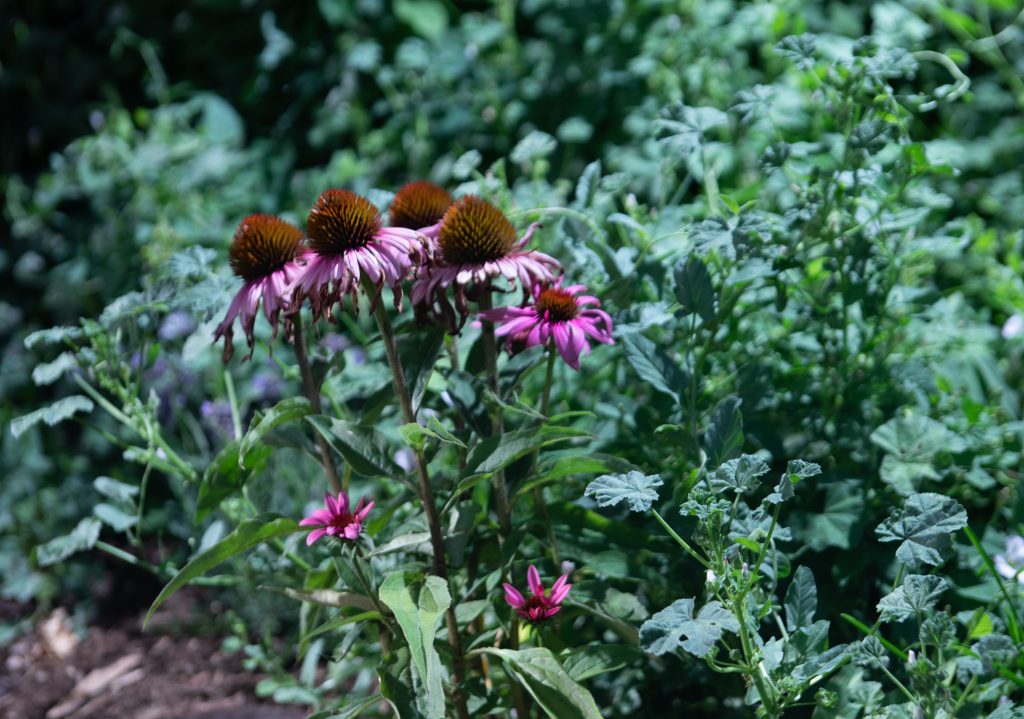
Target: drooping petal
(315, 535)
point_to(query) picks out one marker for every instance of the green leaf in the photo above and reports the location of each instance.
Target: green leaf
(415, 434)
(694, 289)
(115, 518)
(247, 535)
(362, 447)
(724, 437)
(350, 711)
(739, 475)
(50, 372)
(57, 412)
(81, 538)
(427, 18)
(655, 366)
(539, 672)
(52, 335)
(917, 594)
(495, 453)
(118, 491)
(403, 542)
(676, 627)
(326, 597)
(636, 488)
(833, 526)
(418, 607)
(923, 528)
(225, 475)
(535, 146)
(595, 659)
(419, 355)
(801, 599)
(287, 410)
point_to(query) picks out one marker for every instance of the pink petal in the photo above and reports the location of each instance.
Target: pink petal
(315, 535)
(512, 596)
(533, 579)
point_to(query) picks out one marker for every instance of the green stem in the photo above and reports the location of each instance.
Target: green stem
(538, 494)
(749, 657)
(680, 541)
(990, 565)
(440, 567)
(490, 347)
(313, 395)
(236, 420)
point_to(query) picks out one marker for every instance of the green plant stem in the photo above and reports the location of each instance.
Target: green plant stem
(490, 346)
(1011, 615)
(236, 419)
(679, 540)
(763, 690)
(538, 494)
(313, 395)
(440, 566)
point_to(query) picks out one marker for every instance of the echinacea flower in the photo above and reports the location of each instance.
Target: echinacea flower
(348, 240)
(541, 604)
(1011, 564)
(475, 245)
(560, 315)
(267, 253)
(420, 206)
(336, 520)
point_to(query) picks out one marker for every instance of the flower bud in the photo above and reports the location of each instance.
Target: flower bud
(710, 578)
(911, 658)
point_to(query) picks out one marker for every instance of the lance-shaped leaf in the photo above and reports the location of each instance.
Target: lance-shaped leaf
(247, 535)
(287, 410)
(724, 437)
(81, 538)
(694, 289)
(419, 607)
(923, 528)
(636, 488)
(551, 686)
(917, 594)
(362, 447)
(54, 414)
(801, 600)
(655, 366)
(676, 627)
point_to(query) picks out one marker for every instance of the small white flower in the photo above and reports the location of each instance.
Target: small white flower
(911, 658)
(1011, 564)
(710, 578)
(1013, 327)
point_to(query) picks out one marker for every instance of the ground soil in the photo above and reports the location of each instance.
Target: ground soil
(118, 672)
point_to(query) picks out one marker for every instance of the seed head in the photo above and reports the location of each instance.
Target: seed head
(262, 245)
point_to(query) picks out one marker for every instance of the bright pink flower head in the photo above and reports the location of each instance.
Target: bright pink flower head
(348, 239)
(474, 245)
(560, 315)
(540, 605)
(336, 520)
(268, 254)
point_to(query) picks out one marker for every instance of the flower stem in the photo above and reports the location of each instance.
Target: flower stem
(313, 395)
(767, 696)
(440, 567)
(490, 346)
(538, 494)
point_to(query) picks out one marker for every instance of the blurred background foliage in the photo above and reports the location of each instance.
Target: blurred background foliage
(134, 131)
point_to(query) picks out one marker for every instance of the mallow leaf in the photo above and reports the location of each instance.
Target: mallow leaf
(917, 594)
(676, 627)
(636, 488)
(739, 475)
(923, 528)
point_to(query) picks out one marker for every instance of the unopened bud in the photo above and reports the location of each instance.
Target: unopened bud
(745, 570)
(710, 578)
(911, 658)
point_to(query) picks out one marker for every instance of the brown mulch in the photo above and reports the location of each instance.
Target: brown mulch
(121, 673)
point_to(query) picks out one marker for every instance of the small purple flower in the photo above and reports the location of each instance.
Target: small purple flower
(176, 325)
(216, 415)
(337, 520)
(267, 386)
(559, 315)
(540, 605)
(1011, 564)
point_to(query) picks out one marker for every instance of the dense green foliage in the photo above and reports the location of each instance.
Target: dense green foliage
(797, 464)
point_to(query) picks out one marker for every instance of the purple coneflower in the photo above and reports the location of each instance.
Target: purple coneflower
(540, 605)
(420, 206)
(476, 244)
(267, 253)
(349, 240)
(558, 314)
(1011, 564)
(337, 520)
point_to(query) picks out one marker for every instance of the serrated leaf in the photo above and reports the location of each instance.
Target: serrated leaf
(635, 488)
(801, 599)
(287, 410)
(739, 475)
(798, 49)
(248, 534)
(539, 672)
(50, 372)
(655, 366)
(57, 412)
(52, 335)
(419, 606)
(81, 538)
(724, 437)
(694, 290)
(923, 528)
(676, 627)
(918, 593)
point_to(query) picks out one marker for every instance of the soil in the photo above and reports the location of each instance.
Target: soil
(117, 672)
